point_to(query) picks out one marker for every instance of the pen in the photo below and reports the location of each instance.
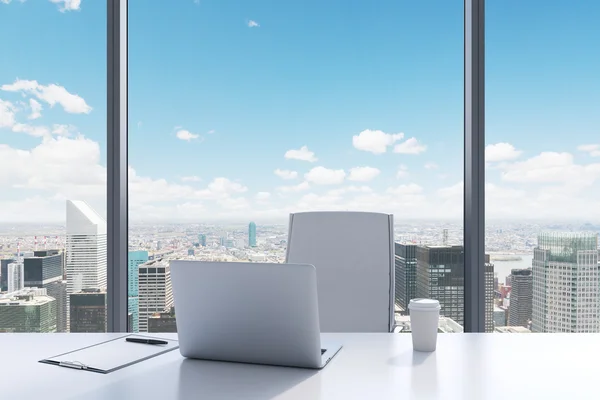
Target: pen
(146, 341)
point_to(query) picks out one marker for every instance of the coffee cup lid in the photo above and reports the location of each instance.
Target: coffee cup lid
(424, 304)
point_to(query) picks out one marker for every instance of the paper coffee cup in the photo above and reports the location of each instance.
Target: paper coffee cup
(424, 317)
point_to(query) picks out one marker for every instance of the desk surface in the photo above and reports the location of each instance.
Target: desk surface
(370, 366)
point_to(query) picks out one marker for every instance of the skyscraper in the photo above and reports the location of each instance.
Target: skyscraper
(88, 310)
(155, 291)
(252, 234)
(15, 279)
(521, 297)
(86, 248)
(134, 259)
(440, 276)
(405, 261)
(28, 310)
(45, 270)
(489, 294)
(565, 283)
(4, 273)
(202, 240)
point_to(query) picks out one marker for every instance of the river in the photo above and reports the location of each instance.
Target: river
(502, 268)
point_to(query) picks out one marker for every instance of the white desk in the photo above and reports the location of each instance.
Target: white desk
(370, 366)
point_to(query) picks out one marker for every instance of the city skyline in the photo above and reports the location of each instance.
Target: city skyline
(52, 115)
(150, 295)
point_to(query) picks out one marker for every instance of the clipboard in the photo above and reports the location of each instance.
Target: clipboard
(111, 355)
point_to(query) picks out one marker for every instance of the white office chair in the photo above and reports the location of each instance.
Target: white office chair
(353, 253)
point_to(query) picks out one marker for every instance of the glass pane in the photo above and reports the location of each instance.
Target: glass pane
(241, 114)
(543, 165)
(53, 176)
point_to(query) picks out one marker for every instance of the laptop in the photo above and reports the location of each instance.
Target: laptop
(260, 313)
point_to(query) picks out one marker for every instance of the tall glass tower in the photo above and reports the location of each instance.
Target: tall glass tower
(134, 260)
(565, 283)
(252, 234)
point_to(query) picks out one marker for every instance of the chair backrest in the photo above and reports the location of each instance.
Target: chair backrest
(353, 253)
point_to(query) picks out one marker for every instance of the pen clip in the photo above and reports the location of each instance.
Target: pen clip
(73, 364)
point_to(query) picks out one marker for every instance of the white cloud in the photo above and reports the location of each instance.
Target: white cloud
(145, 190)
(349, 189)
(36, 109)
(68, 5)
(262, 196)
(51, 94)
(551, 167)
(186, 135)
(431, 165)
(294, 188)
(501, 152)
(592, 149)
(253, 24)
(224, 186)
(286, 174)
(5, 1)
(325, 176)
(456, 190)
(411, 188)
(402, 172)
(363, 174)
(302, 154)
(410, 146)
(7, 114)
(63, 130)
(192, 178)
(69, 168)
(211, 131)
(37, 131)
(375, 142)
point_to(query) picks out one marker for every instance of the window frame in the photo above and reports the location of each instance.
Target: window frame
(474, 165)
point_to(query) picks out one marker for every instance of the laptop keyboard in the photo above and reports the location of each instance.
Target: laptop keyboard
(323, 351)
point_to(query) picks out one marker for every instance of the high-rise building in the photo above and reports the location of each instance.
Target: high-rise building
(155, 291)
(252, 234)
(441, 276)
(4, 273)
(521, 298)
(45, 270)
(163, 322)
(134, 259)
(16, 276)
(405, 262)
(88, 310)
(489, 294)
(202, 240)
(28, 310)
(565, 283)
(86, 249)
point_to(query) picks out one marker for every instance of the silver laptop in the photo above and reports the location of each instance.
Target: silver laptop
(249, 312)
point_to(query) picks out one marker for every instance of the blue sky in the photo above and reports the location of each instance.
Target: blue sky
(220, 91)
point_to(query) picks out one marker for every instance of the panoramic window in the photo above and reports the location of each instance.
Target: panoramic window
(242, 113)
(542, 165)
(53, 177)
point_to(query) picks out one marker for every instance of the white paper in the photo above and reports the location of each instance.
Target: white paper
(114, 354)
